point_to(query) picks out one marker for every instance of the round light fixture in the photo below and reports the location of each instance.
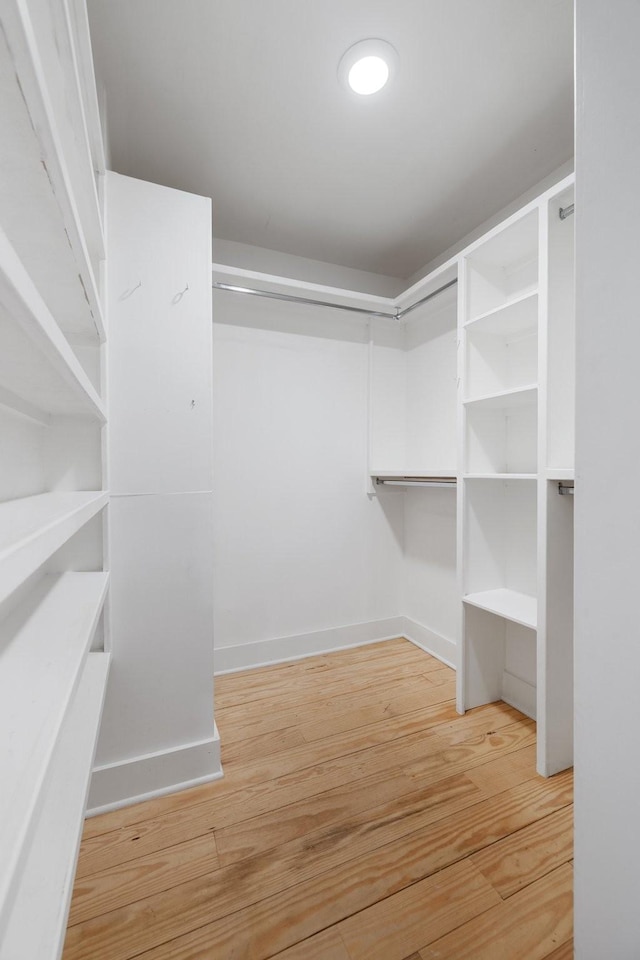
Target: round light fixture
(367, 66)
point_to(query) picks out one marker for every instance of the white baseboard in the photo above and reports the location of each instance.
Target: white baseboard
(519, 694)
(120, 784)
(433, 643)
(263, 653)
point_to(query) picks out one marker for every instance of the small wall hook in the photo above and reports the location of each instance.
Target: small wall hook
(128, 293)
(178, 297)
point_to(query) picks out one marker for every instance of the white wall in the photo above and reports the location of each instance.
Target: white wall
(299, 547)
(607, 515)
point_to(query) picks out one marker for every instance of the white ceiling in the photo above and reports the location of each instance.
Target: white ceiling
(239, 100)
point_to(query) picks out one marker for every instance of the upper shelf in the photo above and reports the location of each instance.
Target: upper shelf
(505, 399)
(517, 316)
(32, 528)
(50, 377)
(43, 646)
(38, 205)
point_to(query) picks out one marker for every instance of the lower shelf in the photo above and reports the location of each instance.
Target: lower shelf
(36, 925)
(519, 607)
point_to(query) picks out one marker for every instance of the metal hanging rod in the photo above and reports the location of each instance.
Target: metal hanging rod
(565, 212)
(416, 481)
(398, 315)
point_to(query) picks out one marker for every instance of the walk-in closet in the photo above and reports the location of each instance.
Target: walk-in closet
(315, 398)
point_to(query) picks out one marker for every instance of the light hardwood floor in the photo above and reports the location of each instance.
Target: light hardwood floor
(359, 817)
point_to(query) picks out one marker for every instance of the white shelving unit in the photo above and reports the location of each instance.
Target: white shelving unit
(53, 554)
(515, 440)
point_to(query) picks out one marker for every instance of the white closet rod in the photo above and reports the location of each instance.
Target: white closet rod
(398, 315)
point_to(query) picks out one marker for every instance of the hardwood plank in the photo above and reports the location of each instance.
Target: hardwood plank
(142, 878)
(345, 811)
(565, 952)
(332, 682)
(287, 807)
(240, 723)
(277, 900)
(518, 860)
(425, 911)
(505, 772)
(267, 745)
(326, 945)
(529, 925)
(323, 726)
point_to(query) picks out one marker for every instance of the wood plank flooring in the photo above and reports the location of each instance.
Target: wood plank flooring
(360, 818)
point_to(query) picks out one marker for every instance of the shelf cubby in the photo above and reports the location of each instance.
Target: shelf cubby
(502, 348)
(33, 528)
(499, 660)
(501, 547)
(47, 871)
(504, 267)
(501, 433)
(43, 646)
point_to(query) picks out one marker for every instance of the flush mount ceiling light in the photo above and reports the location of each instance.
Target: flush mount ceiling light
(367, 66)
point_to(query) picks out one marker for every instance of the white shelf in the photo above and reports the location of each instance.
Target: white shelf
(504, 399)
(37, 364)
(510, 604)
(515, 316)
(37, 205)
(448, 472)
(43, 646)
(559, 473)
(32, 528)
(500, 476)
(36, 925)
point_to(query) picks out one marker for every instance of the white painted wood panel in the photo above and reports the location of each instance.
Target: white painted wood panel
(160, 390)
(38, 208)
(43, 645)
(161, 692)
(48, 872)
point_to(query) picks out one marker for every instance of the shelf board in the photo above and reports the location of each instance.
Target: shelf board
(43, 647)
(510, 604)
(559, 473)
(37, 364)
(37, 203)
(32, 528)
(500, 476)
(448, 472)
(46, 879)
(516, 397)
(515, 316)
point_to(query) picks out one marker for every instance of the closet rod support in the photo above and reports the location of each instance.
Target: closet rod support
(565, 212)
(565, 490)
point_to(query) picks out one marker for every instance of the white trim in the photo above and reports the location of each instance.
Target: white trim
(125, 782)
(263, 653)
(432, 643)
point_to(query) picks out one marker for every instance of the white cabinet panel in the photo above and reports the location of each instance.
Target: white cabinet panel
(159, 291)
(161, 694)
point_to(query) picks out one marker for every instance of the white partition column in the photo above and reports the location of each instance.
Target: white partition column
(158, 733)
